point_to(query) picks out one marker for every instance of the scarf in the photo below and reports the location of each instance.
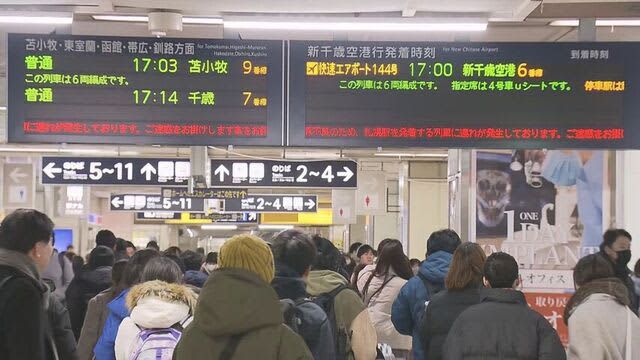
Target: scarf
(610, 286)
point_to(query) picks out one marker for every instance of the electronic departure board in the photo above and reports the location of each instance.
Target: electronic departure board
(121, 90)
(497, 95)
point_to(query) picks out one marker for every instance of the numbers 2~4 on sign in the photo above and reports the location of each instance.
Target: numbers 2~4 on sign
(274, 204)
(114, 171)
(295, 174)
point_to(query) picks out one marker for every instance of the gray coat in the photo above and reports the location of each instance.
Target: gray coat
(94, 320)
(60, 272)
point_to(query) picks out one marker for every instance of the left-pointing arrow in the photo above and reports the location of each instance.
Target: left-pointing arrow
(50, 170)
(116, 202)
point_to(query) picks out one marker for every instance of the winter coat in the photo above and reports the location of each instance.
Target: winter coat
(624, 274)
(195, 278)
(316, 327)
(379, 302)
(60, 329)
(248, 308)
(22, 301)
(60, 273)
(94, 321)
(598, 330)
(409, 307)
(636, 284)
(502, 327)
(153, 305)
(347, 306)
(443, 309)
(104, 349)
(597, 317)
(83, 288)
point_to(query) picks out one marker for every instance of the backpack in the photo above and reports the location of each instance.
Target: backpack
(308, 320)
(341, 336)
(156, 344)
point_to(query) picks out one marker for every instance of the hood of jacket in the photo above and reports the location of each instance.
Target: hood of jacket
(195, 278)
(97, 279)
(118, 306)
(157, 304)
(324, 281)
(507, 296)
(288, 284)
(612, 287)
(436, 266)
(235, 301)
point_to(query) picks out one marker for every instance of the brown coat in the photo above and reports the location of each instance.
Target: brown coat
(93, 324)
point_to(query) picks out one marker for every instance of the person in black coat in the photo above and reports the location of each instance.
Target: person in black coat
(88, 283)
(616, 249)
(25, 252)
(463, 283)
(502, 326)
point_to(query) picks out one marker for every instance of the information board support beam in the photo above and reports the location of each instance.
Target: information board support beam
(587, 29)
(403, 190)
(200, 170)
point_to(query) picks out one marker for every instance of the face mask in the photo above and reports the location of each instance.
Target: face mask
(624, 256)
(210, 267)
(561, 169)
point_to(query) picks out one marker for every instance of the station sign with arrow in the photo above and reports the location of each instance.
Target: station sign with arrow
(147, 202)
(18, 186)
(282, 173)
(273, 204)
(227, 218)
(115, 171)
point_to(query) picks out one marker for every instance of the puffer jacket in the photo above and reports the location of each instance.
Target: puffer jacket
(379, 300)
(502, 327)
(409, 307)
(443, 309)
(153, 305)
(83, 288)
(104, 349)
(248, 310)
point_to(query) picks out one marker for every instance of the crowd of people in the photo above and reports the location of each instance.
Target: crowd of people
(297, 296)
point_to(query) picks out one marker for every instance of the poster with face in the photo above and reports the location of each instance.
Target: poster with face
(544, 207)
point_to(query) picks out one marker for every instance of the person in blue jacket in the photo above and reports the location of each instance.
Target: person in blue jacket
(409, 307)
(104, 349)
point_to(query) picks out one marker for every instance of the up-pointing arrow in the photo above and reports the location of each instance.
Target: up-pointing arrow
(221, 171)
(148, 170)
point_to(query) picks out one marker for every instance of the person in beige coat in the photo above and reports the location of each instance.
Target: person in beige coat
(379, 286)
(601, 324)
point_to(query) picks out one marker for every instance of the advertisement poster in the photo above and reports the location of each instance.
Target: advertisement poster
(551, 306)
(544, 207)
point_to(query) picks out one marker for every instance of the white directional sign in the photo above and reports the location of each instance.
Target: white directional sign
(146, 202)
(343, 204)
(371, 196)
(273, 203)
(115, 171)
(272, 173)
(18, 186)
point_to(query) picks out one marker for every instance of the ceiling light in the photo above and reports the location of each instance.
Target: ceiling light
(412, 155)
(218, 227)
(355, 25)
(144, 18)
(599, 22)
(27, 19)
(275, 227)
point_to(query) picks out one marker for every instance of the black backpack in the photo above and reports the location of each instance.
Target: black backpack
(309, 321)
(340, 335)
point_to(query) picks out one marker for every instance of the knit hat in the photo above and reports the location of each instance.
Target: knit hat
(101, 256)
(250, 253)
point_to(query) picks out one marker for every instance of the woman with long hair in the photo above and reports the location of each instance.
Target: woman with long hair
(379, 286)
(463, 284)
(601, 324)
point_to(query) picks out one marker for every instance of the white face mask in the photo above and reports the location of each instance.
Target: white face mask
(210, 267)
